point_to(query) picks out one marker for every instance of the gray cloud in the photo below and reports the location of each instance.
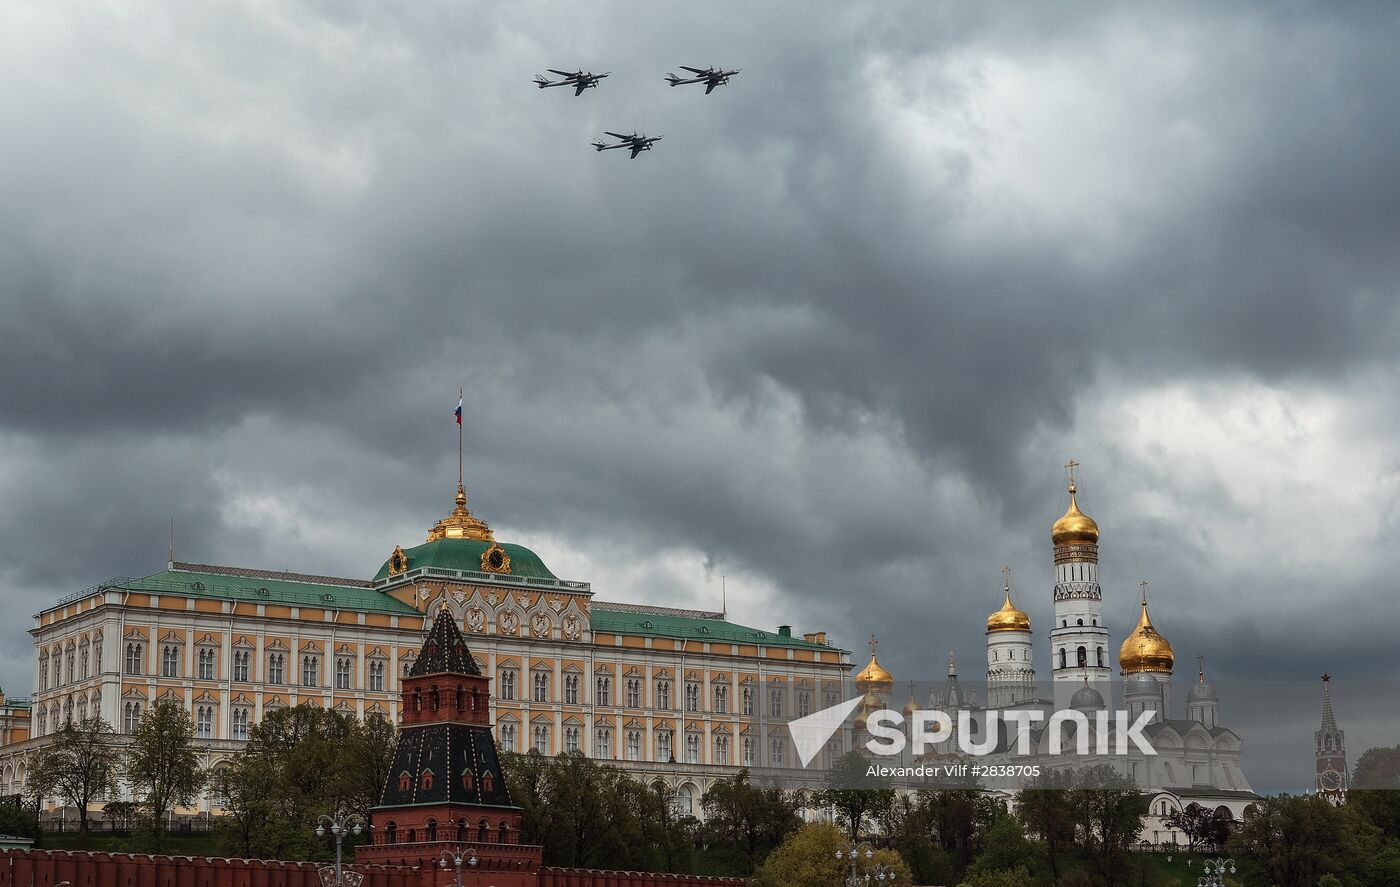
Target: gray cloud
(832, 339)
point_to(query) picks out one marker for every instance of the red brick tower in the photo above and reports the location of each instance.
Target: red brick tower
(446, 790)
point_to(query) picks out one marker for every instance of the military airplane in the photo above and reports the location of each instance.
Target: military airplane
(580, 80)
(638, 143)
(711, 77)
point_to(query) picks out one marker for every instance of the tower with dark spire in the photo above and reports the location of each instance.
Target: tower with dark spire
(1331, 751)
(445, 789)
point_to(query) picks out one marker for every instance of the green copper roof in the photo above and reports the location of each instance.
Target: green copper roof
(641, 621)
(266, 588)
(465, 554)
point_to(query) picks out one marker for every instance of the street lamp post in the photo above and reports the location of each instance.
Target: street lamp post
(1215, 872)
(879, 874)
(455, 858)
(338, 825)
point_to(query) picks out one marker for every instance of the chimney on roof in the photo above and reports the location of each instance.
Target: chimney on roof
(815, 637)
(784, 631)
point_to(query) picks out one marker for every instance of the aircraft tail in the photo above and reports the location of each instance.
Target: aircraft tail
(598, 146)
(541, 82)
(673, 79)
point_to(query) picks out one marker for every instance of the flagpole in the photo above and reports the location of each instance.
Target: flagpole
(460, 392)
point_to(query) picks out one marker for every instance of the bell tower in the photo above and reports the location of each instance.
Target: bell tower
(1078, 637)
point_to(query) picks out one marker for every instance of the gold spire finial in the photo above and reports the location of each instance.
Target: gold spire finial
(1201, 669)
(952, 662)
(874, 678)
(874, 646)
(1009, 617)
(1006, 579)
(461, 523)
(1070, 466)
(1143, 586)
(1074, 527)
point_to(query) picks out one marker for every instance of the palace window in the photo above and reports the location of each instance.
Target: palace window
(692, 748)
(376, 675)
(634, 745)
(277, 668)
(71, 664)
(602, 743)
(663, 746)
(44, 670)
(804, 703)
(746, 700)
(508, 683)
(571, 739)
(663, 695)
(83, 662)
(722, 699)
(82, 710)
(508, 737)
(775, 753)
(829, 698)
(692, 696)
(541, 739)
(775, 702)
(242, 659)
(541, 686)
(747, 747)
(721, 750)
(238, 723)
(170, 661)
(310, 670)
(603, 691)
(634, 693)
(204, 722)
(571, 689)
(342, 673)
(131, 716)
(206, 664)
(685, 801)
(68, 711)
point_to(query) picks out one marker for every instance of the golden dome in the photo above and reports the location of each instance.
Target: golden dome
(1074, 527)
(461, 523)
(913, 704)
(1009, 617)
(874, 678)
(1145, 649)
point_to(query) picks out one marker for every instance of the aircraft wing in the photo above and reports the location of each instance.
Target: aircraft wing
(570, 74)
(578, 90)
(695, 70)
(637, 149)
(710, 86)
(617, 135)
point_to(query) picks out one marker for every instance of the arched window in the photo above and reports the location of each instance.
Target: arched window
(1062, 657)
(433, 697)
(458, 699)
(1083, 659)
(431, 829)
(417, 699)
(391, 831)
(413, 836)
(481, 829)
(462, 832)
(505, 832)
(1101, 657)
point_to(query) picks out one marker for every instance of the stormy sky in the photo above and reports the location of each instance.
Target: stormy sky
(833, 339)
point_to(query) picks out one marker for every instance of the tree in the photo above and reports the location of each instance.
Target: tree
(1007, 849)
(1375, 788)
(808, 859)
(752, 820)
(1046, 811)
(365, 762)
(161, 763)
(1111, 809)
(246, 790)
(1292, 841)
(856, 796)
(1202, 827)
(1017, 877)
(79, 765)
(18, 819)
(958, 818)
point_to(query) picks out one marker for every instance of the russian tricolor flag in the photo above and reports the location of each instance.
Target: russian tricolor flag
(459, 411)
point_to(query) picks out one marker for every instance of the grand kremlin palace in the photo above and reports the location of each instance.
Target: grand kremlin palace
(681, 695)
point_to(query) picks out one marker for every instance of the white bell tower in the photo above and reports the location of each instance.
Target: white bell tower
(1079, 640)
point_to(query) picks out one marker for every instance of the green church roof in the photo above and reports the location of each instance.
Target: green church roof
(465, 554)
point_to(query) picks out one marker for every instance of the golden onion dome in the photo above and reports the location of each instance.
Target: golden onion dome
(913, 704)
(1074, 527)
(874, 678)
(1009, 617)
(1145, 649)
(461, 523)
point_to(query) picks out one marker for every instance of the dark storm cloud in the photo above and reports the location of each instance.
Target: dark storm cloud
(833, 337)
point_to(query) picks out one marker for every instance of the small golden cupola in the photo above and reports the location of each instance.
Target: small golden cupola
(1074, 527)
(461, 523)
(1009, 617)
(874, 678)
(1145, 650)
(912, 705)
